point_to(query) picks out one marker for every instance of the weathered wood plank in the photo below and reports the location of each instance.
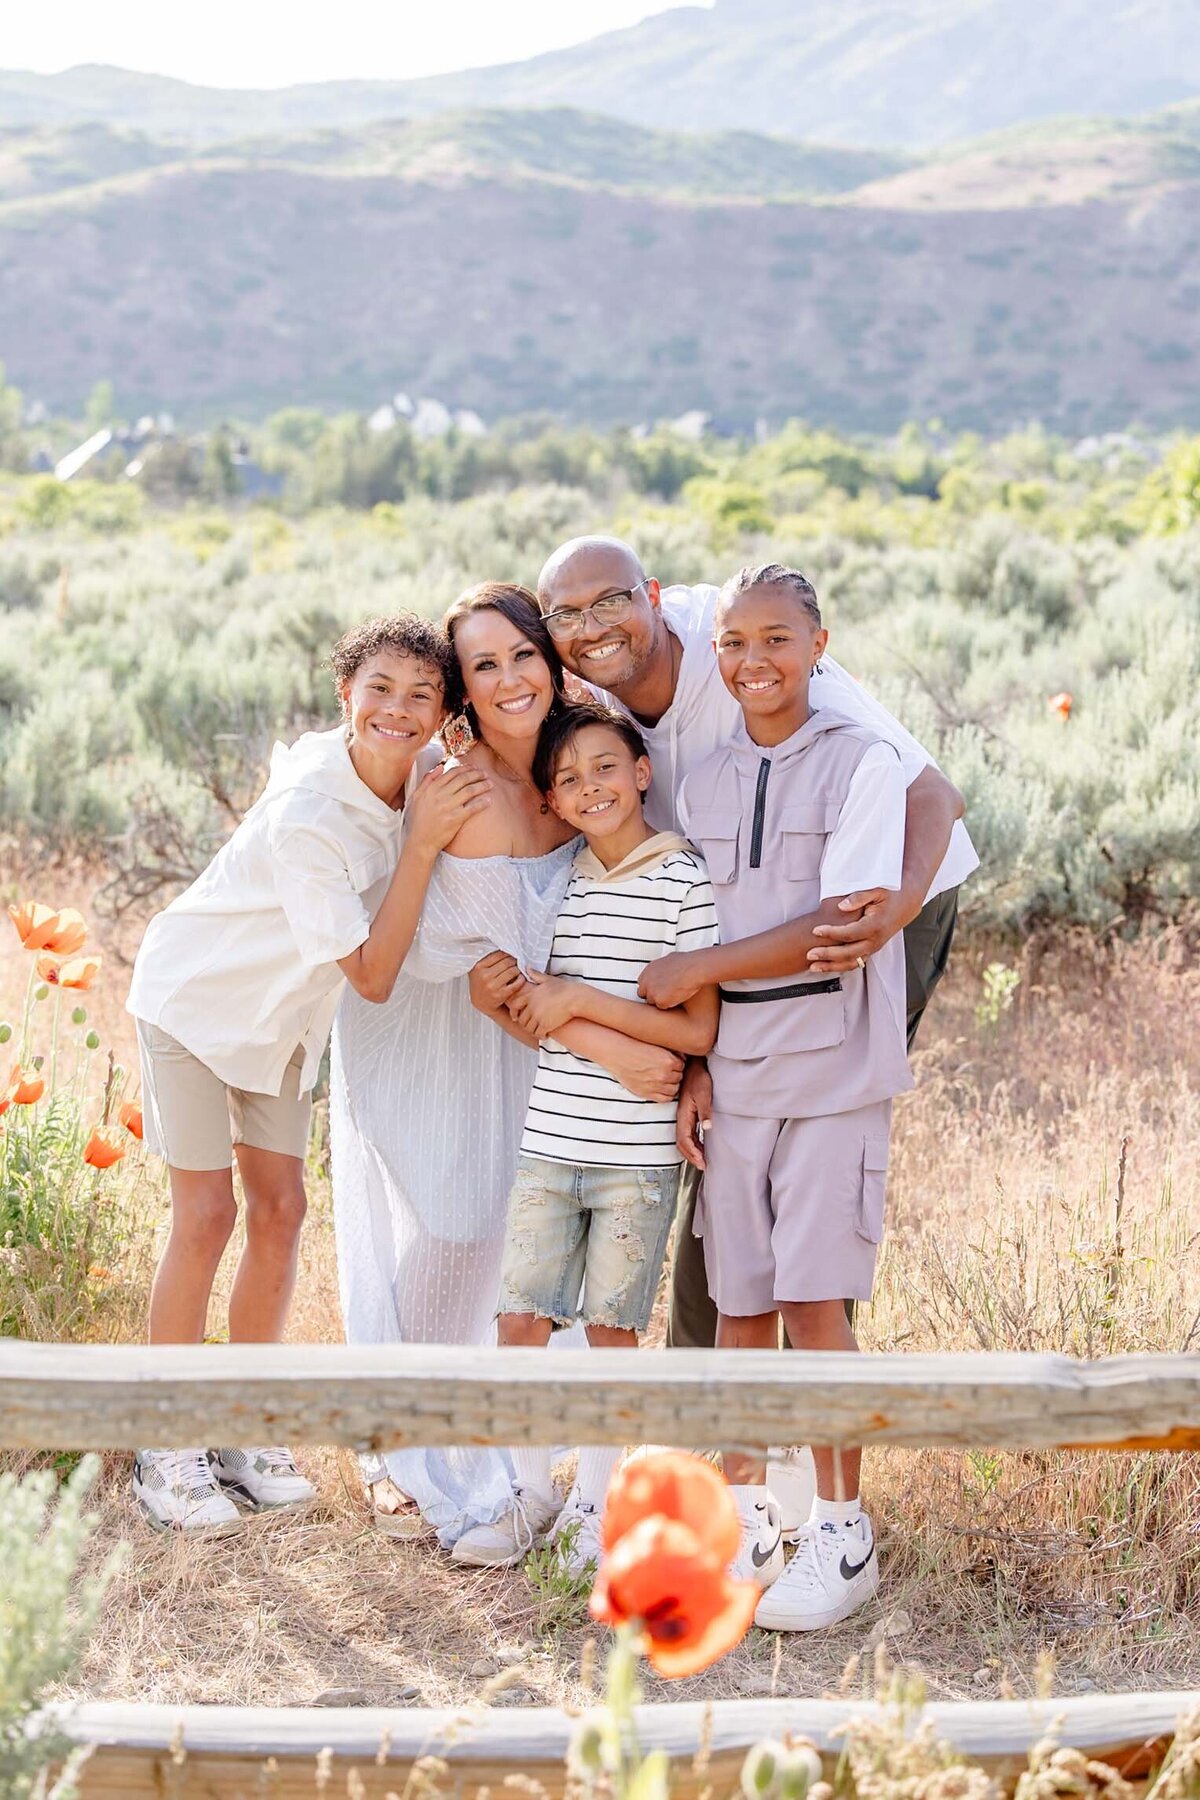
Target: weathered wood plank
(221, 1753)
(105, 1397)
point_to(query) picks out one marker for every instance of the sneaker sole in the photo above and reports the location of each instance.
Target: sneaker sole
(478, 1560)
(225, 1528)
(244, 1497)
(833, 1615)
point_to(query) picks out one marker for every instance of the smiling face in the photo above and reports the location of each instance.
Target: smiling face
(506, 677)
(767, 644)
(606, 653)
(598, 788)
(393, 703)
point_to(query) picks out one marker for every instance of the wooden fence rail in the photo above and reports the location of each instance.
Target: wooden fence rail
(243, 1753)
(100, 1397)
(110, 1398)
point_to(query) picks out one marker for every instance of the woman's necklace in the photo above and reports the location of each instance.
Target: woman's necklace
(521, 780)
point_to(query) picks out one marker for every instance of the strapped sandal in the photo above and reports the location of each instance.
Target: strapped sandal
(393, 1512)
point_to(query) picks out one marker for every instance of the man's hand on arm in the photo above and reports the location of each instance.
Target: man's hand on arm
(877, 914)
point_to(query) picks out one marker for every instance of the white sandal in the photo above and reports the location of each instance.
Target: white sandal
(393, 1512)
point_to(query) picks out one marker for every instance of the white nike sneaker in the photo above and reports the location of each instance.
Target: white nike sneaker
(579, 1525)
(792, 1479)
(265, 1479)
(512, 1536)
(760, 1556)
(835, 1571)
(177, 1491)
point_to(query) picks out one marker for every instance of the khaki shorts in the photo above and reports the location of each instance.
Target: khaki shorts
(192, 1119)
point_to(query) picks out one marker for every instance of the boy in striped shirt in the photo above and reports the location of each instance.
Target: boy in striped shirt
(594, 1198)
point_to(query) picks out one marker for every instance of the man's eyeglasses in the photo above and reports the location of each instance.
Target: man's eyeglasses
(610, 609)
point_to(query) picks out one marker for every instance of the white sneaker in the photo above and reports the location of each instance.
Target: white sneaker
(792, 1479)
(579, 1525)
(512, 1536)
(177, 1491)
(835, 1571)
(265, 1479)
(760, 1555)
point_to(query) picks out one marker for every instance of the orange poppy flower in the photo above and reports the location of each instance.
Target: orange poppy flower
(20, 1089)
(104, 1147)
(662, 1579)
(42, 928)
(675, 1486)
(130, 1116)
(1061, 704)
(78, 972)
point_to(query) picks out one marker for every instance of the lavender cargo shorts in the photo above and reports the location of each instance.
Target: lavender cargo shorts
(792, 1209)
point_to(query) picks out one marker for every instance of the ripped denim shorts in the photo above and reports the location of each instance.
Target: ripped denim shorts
(585, 1242)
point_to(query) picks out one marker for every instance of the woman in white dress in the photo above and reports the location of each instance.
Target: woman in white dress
(427, 1095)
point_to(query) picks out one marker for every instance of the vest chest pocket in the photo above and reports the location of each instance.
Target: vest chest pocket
(715, 830)
(749, 1029)
(804, 830)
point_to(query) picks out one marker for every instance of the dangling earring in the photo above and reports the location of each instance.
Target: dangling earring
(816, 668)
(457, 734)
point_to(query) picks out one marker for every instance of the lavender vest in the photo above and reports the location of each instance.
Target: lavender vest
(808, 1044)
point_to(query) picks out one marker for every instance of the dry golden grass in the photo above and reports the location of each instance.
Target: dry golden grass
(1004, 1234)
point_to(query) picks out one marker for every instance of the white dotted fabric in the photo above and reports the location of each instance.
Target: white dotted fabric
(427, 1103)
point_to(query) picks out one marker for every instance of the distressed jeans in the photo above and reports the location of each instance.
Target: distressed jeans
(586, 1242)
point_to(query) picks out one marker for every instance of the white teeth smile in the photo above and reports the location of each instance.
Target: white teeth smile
(385, 731)
(601, 653)
(516, 706)
(757, 687)
(600, 807)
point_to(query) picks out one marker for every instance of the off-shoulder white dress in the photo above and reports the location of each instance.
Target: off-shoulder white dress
(427, 1102)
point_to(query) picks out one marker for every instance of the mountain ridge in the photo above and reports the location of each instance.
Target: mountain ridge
(915, 74)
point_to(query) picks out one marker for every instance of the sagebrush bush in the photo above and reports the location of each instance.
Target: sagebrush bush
(146, 669)
(47, 1615)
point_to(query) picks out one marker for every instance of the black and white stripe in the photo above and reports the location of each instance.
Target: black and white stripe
(605, 935)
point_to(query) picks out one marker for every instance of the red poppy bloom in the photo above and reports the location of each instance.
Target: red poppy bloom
(1061, 704)
(78, 972)
(104, 1147)
(130, 1116)
(42, 928)
(687, 1606)
(670, 1531)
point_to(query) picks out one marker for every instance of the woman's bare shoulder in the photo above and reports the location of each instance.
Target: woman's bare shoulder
(485, 833)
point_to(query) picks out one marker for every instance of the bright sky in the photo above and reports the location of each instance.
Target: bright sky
(265, 43)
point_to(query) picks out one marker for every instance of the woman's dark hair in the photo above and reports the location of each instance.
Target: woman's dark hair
(404, 634)
(772, 575)
(520, 608)
(564, 726)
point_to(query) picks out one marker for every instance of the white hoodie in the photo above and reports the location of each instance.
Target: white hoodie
(243, 967)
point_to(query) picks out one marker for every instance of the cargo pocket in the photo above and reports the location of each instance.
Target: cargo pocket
(874, 1188)
(715, 830)
(804, 830)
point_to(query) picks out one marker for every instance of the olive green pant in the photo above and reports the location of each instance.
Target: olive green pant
(691, 1316)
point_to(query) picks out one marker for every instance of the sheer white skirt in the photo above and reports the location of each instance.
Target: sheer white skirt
(427, 1103)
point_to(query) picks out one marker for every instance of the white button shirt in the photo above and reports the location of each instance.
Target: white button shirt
(242, 968)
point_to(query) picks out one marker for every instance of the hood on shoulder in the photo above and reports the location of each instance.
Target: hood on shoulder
(819, 722)
(319, 763)
(649, 855)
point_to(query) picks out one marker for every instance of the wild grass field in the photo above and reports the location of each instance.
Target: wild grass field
(1045, 1189)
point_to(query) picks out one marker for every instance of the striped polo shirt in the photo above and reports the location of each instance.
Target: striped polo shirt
(610, 925)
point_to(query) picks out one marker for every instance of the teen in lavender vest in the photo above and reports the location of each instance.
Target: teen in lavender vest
(800, 808)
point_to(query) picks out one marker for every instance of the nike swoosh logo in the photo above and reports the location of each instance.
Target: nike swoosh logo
(850, 1570)
(760, 1558)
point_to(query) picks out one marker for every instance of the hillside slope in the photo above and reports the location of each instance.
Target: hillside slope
(227, 286)
(915, 73)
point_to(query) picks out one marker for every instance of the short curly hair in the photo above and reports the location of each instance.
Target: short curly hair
(404, 634)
